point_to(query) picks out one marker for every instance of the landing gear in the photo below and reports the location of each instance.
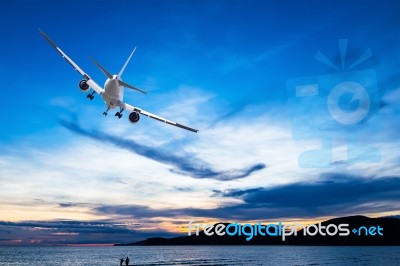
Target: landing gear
(119, 114)
(90, 96)
(106, 112)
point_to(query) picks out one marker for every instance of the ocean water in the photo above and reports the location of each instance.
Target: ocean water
(201, 255)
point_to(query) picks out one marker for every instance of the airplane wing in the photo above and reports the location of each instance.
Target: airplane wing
(131, 108)
(89, 81)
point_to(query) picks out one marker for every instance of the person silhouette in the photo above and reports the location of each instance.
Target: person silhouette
(121, 261)
(127, 261)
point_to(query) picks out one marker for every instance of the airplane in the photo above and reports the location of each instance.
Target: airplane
(113, 91)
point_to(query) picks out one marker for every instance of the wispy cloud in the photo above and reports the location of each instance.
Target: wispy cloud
(186, 164)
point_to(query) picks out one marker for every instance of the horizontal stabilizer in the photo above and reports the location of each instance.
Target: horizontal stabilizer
(108, 74)
(121, 83)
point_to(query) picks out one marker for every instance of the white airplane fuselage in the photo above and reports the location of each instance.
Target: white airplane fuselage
(113, 92)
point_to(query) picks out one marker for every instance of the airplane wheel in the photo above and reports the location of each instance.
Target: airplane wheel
(118, 114)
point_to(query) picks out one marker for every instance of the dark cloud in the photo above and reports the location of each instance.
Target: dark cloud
(72, 226)
(333, 195)
(183, 189)
(184, 164)
(67, 205)
(70, 232)
(320, 193)
(239, 107)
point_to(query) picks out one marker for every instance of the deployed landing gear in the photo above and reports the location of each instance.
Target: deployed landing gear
(90, 96)
(106, 112)
(119, 114)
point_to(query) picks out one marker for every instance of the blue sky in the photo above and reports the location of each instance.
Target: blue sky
(224, 67)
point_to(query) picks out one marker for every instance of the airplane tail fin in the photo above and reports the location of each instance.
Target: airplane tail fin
(110, 76)
(126, 63)
(126, 85)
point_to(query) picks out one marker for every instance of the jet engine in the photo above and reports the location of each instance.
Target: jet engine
(134, 117)
(83, 86)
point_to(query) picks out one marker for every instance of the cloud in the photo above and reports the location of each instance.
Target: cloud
(239, 107)
(334, 194)
(392, 97)
(71, 232)
(184, 165)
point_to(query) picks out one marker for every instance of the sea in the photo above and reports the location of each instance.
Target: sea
(200, 255)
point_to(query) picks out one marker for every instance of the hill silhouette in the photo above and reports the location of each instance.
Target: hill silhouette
(390, 236)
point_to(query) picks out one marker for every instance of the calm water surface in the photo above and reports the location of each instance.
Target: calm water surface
(201, 255)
